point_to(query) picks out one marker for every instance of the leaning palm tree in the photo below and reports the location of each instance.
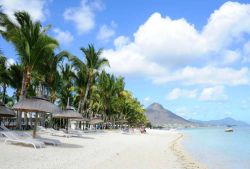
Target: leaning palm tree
(30, 40)
(94, 62)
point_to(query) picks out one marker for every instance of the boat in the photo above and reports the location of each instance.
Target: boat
(229, 130)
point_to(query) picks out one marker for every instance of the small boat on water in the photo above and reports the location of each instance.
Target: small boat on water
(229, 130)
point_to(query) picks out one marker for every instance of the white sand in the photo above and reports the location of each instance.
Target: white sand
(109, 150)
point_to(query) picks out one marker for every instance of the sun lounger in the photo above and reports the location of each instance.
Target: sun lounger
(39, 138)
(54, 132)
(14, 138)
(53, 142)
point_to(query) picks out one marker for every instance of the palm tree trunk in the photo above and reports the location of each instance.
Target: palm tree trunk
(34, 131)
(31, 120)
(26, 120)
(25, 84)
(4, 92)
(43, 120)
(79, 105)
(87, 92)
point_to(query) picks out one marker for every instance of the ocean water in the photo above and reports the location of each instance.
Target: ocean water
(218, 149)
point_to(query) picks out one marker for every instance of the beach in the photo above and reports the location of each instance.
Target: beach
(111, 149)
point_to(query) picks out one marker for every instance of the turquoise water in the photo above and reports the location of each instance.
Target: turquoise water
(218, 149)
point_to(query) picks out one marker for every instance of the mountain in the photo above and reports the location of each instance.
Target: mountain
(158, 116)
(221, 122)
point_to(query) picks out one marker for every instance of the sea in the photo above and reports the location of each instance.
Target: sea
(218, 149)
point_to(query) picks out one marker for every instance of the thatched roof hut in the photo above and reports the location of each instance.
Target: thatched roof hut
(95, 121)
(68, 113)
(36, 104)
(5, 111)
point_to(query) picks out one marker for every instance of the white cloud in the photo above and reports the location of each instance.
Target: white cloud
(208, 75)
(10, 62)
(213, 94)
(177, 93)
(230, 57)
(147, 100)
(121, 41)
(83, 16)
(184, 112)
(64, 37)
(166, 50)
(246, 52)
(36, 8)
(105, 33)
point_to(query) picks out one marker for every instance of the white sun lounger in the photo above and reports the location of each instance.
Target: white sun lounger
(14, 138)
(54, 132)
(39, 138)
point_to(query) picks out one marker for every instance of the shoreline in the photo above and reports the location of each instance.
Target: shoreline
(111, 149)
(184, 158)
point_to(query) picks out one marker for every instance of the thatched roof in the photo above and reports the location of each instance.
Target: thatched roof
(83, 119)
(95, 121)
(121, 121)
(68, 113)
(5, 111)
(36, 104)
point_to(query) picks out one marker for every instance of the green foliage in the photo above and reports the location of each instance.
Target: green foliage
(92, 90)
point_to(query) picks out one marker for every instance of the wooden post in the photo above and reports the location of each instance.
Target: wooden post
(34, 131)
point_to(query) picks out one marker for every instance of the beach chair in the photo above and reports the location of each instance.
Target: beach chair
(14, 138)
(28, 135)
(53, 142)
(53, 132)
(75, 133)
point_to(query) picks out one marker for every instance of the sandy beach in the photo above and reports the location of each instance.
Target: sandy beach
(112, 150)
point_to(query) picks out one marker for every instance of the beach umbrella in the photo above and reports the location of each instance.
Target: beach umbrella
(6, 112)
(68, 113)
(36, 104)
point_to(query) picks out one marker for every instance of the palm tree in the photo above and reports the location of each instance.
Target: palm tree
(4, 76)
(50, 71)
(80, 80)
(67, 84)
(30, 41)
(94, 62)
(16, 76)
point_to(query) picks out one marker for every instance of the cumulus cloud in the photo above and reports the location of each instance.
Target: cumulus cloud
(230, 57)
(208, 75)
(64, 37)
(121, 41)
(35, 8)
(84, 16)
(177, 93)
(213, 94)
(166, 50)
(106, 32)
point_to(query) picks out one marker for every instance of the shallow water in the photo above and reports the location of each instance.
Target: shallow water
(218, 149)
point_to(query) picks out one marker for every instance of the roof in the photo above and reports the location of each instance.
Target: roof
(68, 113)
(5, 111)
(36, 104)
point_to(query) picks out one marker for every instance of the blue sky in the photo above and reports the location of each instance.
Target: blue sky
(190, 56)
